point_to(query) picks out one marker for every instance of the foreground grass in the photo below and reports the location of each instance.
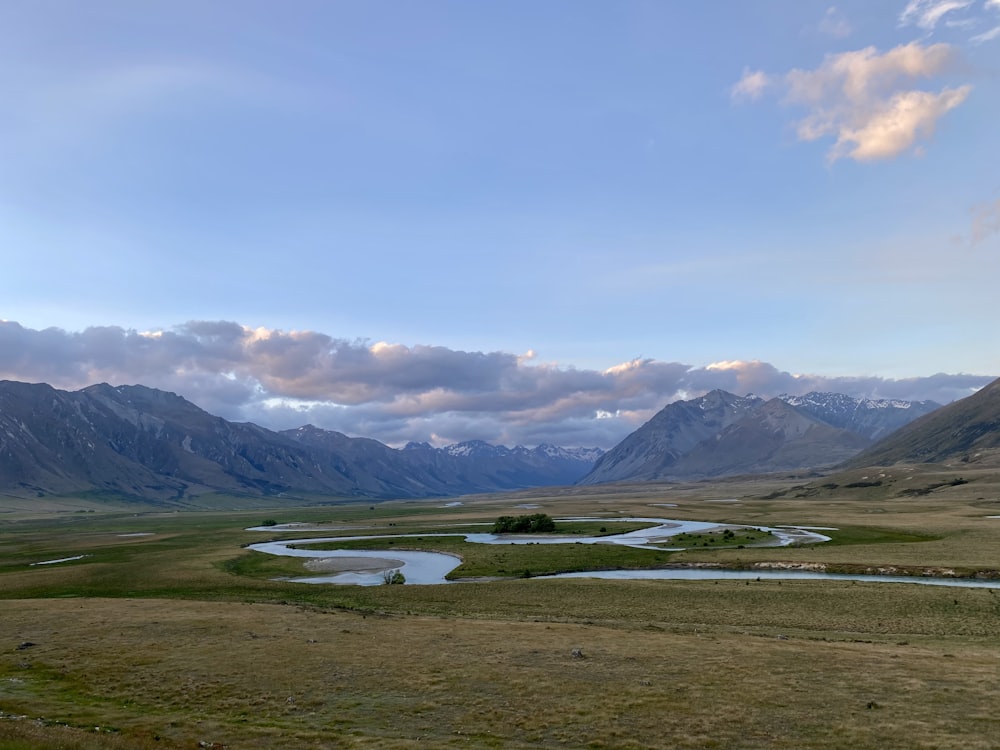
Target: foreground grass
(181, 637)
(264, 675)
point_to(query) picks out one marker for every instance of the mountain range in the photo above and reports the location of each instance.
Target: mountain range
(139, 442)
(721, 434)
(142, 443)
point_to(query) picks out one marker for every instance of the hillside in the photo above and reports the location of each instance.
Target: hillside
(776, 437)
(142, 443)
(958, 431)
(651, 451)
(721, 434)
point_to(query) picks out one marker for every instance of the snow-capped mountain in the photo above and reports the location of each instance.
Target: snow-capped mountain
(482, 467)
(587, 455)
(651, 451)
(479, 448)
(873, 418)
(722, 434)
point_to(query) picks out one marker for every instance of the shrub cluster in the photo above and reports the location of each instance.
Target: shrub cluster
(537, 523)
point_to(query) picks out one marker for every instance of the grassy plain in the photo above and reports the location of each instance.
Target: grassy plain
(181, 637)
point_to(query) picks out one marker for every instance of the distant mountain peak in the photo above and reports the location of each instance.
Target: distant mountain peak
(873, 418)
(962, 430)
(414, 446)
(721, 433)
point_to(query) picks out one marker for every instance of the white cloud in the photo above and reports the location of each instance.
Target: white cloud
(925, 14)
(861, 98)
(890, 131)
(856, 78)
(751, 85)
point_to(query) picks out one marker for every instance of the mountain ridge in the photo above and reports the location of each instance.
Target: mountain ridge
(146, 443)
(957, 431)
(155, 445)
(721, 434)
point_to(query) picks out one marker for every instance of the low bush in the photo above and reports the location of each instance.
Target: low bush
(393, 577)
(536, 523)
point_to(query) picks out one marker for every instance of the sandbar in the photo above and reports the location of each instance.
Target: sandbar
(351, 564)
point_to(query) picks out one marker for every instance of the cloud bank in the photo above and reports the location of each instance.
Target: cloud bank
(395, 393)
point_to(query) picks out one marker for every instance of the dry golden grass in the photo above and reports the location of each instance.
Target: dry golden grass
(253, 675)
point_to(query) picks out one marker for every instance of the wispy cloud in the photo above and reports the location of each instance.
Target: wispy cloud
(835, 24)
(993, 33)
(864, 100)
(985, 221)
(954, 14)
(926, 14)
(52, 111)
(986, 36)
(397, 393)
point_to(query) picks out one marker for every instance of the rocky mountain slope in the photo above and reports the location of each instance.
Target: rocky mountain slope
(775, 437)
(721, 434)
(959, 431)
(144, 443)
(873, 418)
(675, 431)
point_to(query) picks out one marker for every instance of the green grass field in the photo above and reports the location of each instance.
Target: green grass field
(182, 636)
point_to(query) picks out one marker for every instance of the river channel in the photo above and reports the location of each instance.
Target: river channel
(366, 567)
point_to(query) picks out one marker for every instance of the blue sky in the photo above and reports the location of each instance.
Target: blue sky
(596, 207)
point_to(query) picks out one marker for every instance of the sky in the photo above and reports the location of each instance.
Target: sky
(516, 221)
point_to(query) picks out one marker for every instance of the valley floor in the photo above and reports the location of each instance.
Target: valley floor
(172, 640)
